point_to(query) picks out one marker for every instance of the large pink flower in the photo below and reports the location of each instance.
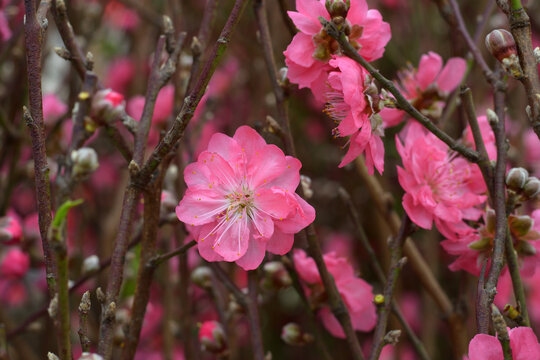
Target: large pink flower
(356, 293)
(310, 50)
(355, 110)
(241, 199)
(427, 87)
(438, 184)
(523, 343)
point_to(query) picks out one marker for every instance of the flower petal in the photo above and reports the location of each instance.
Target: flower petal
(452, 74)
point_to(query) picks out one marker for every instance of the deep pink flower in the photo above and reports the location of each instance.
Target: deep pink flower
(310, 50)
(356, 293)
(523, 343)
(428, 87)
(212, 337)
(241, 199)
(438, 185)
(162, 110)
(355, 109)
(15, 264)
(53, 108)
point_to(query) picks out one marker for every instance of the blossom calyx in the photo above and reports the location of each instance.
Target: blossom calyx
(516, 178)
(520, 225)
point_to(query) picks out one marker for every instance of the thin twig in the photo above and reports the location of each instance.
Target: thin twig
(285, 17)
(84, 309)
(396, 263)
(513, 268)
(253, 316)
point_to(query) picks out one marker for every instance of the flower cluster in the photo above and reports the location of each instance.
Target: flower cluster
(241, 199)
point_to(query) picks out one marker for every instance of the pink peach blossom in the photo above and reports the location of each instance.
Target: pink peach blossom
(240, 199)
(487, 135)
(532, 151)
(310, 50)
(426, 87)
(437, 183)
(10, 230)
(14, 266)
(355, 110)
(120, 73)
(356, 293)
(523, 343)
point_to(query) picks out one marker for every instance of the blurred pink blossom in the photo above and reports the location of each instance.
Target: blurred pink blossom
(120, 73)
(427, 87)
(119, 16)
(13, 267)
(310, 50)
(356, 293)
(241, 199)
(10, 230)
(53, 108)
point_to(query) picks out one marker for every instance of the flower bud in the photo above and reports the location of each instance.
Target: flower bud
(90, 356)
(212, 337)
(491, 220)
(15, 264)
(10, 230)
(378, 299)
(524, 247)
(501, 44)
(516, 178)
(305, 181)
(85, 161)
(520, 225)
(532, 187)
(276, 276)
(492, 117)
(480, 245)
(52, 356)
(337, 8)
(90, 264)
(292, 334)
(108, 104)
(202, 277)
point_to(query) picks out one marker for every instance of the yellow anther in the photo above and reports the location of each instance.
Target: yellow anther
(84, 95)
(378, 299)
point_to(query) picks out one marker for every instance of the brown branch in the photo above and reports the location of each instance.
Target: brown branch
(285, 17)
(517, 284)
(34, 120)
(253, 316)
(84, 309)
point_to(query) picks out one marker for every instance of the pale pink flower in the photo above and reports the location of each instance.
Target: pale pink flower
(523, 343)
(427, 87)
(355, 108)
(53, 108)
(356, 293)
(310, 50)
(241, 199)
(438, 184)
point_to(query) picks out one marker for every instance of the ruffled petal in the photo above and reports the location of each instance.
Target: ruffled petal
(452, 74)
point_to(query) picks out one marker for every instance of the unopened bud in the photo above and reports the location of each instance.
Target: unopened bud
(492, 117)
(283, 74)
(100, 295)
(292, 334)
(306, 186)
(491, 220)
(276, 276)
(525, 248)
(516, 178)
(85, 304)
(392, 337)
(90, 264)
(90, 356)
(51, 356)
(536, 53)
(196, 46)
(212, 337)
(532, 187)
(108, 104)
(337, 8)
(501, 44)
(378, 299)
(53, 307)
(202, 277)
(482, 244)
(520, 225)
(10, 230)
(85, 161)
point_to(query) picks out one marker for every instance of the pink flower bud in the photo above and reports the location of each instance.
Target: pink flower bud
(532, 187)
(15, 263)
(516, 178)
(501, 44)
(108, 104)
(212, 337)
(10, 231)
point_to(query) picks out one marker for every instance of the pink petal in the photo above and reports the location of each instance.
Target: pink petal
(357, 12)
(205, 243)
(304, 23)
(227, 147)
(222, 174)
(306, 267)
(272, 202)
(233, 242)
(200, 207)
(301, 216)
(391, 117)
(312, 8)
(280, 243)
(263, 223)
(428, 69)
(452, 74)
(300, 52)
(290, 177)
(375, 36)
(524, 344)
(485, 347)
(331, 323)
(418, 214)
(254, 255)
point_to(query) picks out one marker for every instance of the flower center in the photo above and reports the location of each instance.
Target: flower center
(326, 46)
